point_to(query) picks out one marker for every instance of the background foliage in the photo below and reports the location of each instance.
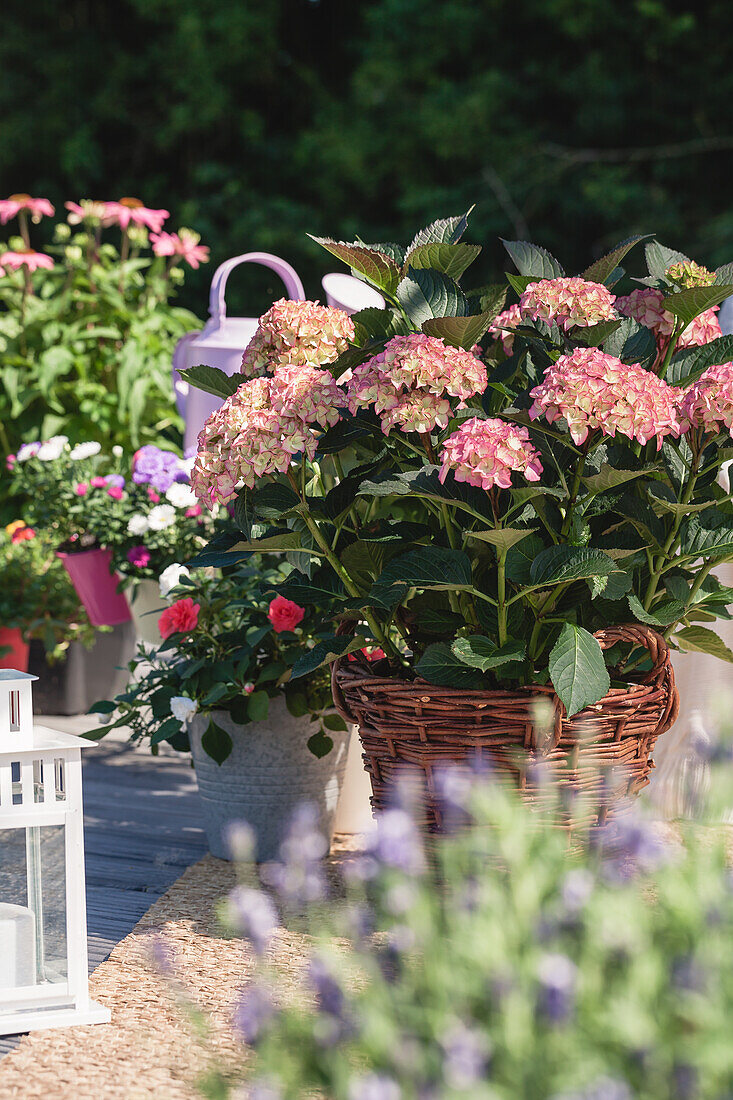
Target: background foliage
(580, 119)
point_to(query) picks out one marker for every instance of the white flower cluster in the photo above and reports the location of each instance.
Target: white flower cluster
(47, 452)
(85, 450)
(181, 495)
(159, 518)
(183, 708)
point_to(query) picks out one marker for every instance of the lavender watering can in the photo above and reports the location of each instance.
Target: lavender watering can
(221, 342)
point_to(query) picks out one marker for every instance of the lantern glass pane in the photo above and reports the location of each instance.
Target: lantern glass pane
(33, 948)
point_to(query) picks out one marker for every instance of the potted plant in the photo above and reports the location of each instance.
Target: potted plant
(524, 528)
(89, 322)
(219, 685)
(37, 600)
(118, 523)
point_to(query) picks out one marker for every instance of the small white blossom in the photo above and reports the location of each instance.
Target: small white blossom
(183, 708)
(161, 516)
(137, 524)
(117, 451)
(170, 577)
(85, 450)
(53, 448)
(181, 495)
(28, 450)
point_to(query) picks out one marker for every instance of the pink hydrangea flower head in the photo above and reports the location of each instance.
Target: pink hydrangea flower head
(503, 325)
(248, 439)
(13, 261)
(486, 453)
(646, 305)
(410, 381)
(567, 302)
(688, 274)
(37, 208)
(589, 389)
(701, 330)
(185, 244)
(128, 211)
(708, 403)
(297, 333)
(307, 394)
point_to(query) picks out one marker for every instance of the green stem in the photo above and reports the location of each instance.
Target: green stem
(671, 543)
(678, 330)
(341, 572)
(574, 490)
(501, 593)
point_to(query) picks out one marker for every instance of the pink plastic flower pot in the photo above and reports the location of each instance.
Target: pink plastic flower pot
(96, 586)
(17, 657)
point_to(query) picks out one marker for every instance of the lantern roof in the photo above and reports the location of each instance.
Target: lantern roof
(13, 674)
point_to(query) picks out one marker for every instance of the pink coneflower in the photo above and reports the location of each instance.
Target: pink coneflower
(13, 261)
(128, 211)
(87, 210)
(185, 244)
(10, 208)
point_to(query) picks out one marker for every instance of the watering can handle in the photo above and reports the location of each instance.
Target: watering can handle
(217, 303)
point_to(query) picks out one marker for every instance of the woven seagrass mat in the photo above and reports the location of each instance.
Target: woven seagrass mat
(151, 1048)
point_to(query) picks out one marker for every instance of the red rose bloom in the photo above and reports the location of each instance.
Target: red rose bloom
(180, 618)
(284, 614)
(21, 534)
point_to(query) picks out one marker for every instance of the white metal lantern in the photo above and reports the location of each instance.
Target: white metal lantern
(43, 926)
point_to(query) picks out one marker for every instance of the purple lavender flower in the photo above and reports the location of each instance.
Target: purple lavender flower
(253, 915)
(629, 845)
(558, 978)
(397, 842)
(335, 1020)
(374, 1086)
(253, 1013)
(299, 877)
(157, 468)
(263, 1090)
(466, 1056)
(604, 1088)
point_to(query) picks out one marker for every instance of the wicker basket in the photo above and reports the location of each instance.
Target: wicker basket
(603, 753)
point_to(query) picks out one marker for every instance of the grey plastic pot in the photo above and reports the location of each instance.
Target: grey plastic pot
(269, 773)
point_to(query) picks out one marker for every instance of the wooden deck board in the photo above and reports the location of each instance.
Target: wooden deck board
(143, 828)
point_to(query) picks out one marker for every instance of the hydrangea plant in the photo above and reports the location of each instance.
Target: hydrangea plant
(230, 640)
(479, 486)
(498, 965)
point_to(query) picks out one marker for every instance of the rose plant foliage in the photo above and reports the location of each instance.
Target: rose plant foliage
(475, 485)
(230, 642)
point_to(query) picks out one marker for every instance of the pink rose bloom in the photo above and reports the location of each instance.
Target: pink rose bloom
(139, 556)
(10, 208)
(115, 492)
(128, 211)
(486, 453)
(567, 302)
(297, 333)
(98, 482)
(28, 258)
(81, 489)
(184, 244)
(194, 511)
(502, 327)
(284, 614)
(708, 403)
(22, 534)
(589, 389)
(180, 618)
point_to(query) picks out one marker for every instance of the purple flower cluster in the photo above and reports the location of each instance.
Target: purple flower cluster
(254, 1012)
(299, 877)
(253, 915)
(157, 468)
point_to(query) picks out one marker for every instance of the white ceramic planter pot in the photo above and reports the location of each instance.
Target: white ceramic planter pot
(269, 773)
(147, 607)
(354, 813)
